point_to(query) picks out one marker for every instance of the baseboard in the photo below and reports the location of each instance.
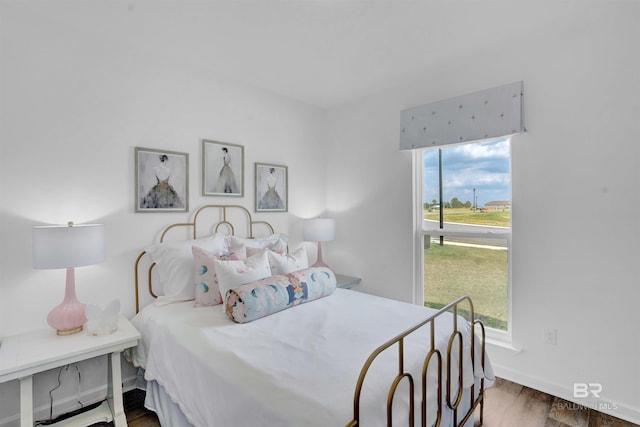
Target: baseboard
(607, 406)
(69, 403)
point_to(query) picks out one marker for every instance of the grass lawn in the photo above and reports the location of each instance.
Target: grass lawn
(466, 216)
(454, 271)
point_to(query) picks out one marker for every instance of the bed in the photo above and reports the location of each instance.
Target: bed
(319, 356)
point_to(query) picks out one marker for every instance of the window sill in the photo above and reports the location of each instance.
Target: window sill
(502, 343)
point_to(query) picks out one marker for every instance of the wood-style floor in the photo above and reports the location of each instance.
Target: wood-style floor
(137, 414)
(506, 405)
(511, 405)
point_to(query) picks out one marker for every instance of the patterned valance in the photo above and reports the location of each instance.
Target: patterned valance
(487, 114)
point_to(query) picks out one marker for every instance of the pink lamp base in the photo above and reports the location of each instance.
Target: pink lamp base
(70, 331)
(320, 262)
(68, 317)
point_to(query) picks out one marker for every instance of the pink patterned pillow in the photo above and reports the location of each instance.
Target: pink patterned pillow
(207, 290)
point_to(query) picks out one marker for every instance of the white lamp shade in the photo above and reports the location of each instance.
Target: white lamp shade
(318, 229)
(67, 246)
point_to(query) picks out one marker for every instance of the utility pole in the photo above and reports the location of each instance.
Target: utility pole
(475, 202)
(441, 195)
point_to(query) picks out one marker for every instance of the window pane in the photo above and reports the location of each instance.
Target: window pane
(475, 201)
(475, 178)
(478, 269)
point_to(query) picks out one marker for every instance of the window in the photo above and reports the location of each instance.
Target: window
(466, 227)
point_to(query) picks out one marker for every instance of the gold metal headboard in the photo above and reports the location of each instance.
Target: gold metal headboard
(224, 220)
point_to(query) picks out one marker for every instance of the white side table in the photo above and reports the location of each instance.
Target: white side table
(346, 282)
(22, 356)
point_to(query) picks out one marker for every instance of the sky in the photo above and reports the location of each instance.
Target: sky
(483, 166)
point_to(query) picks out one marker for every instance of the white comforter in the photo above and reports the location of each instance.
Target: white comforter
(298, 367)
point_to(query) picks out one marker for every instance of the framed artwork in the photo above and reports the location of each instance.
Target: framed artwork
(272, 190)
(222, 169)
(162, 180)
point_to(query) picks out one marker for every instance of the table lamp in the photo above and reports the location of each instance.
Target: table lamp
(67, 247)
(319, 230)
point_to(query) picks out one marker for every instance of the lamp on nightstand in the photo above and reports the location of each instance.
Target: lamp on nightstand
(319, 230)
(67, 247)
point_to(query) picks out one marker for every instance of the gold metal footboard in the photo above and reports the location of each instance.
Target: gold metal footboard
(453, 400)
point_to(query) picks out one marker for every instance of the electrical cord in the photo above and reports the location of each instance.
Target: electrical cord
(51, 420)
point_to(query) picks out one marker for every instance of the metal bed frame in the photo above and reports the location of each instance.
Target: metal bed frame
(453, 399)
(223, 221)
(452, 402)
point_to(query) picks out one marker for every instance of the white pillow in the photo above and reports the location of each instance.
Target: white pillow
(293, 261)
(175, 265)
(275, 242)
(234, 273)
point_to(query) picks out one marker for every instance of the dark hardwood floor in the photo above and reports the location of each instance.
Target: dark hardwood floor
(137, 414)
(506, 405)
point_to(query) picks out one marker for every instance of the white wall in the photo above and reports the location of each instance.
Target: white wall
(576, 175)
(74, 106)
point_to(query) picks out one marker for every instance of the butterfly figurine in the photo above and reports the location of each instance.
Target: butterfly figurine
(102, 321)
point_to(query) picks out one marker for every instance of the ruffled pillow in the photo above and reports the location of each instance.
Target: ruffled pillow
(232, 274)
(286, 263)
(276, 242)
(207, 291)
(276, 293)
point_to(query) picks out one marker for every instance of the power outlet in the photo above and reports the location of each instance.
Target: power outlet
(551, 336)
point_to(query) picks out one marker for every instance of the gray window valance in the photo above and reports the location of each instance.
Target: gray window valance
(487, 114)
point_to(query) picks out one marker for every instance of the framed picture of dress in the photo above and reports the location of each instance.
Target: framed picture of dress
(272, 190)
(222, 169)
(162, 180)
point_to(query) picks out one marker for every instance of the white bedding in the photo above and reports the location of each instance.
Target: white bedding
(298, 367)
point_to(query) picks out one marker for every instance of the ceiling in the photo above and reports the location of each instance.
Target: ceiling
(321, 52)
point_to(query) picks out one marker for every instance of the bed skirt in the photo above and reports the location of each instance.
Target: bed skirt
(170, 414)
(168, 411)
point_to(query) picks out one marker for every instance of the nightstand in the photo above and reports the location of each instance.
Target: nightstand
(346, 282)
(22, 356)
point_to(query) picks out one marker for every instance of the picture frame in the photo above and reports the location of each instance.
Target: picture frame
(162, 180)
(272, 188)
(222, 169)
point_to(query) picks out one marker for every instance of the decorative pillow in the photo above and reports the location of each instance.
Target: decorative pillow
(275, 242)
(175, 265)
(293, 261)
(276, 293)
(207, 291)
(232, 274)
